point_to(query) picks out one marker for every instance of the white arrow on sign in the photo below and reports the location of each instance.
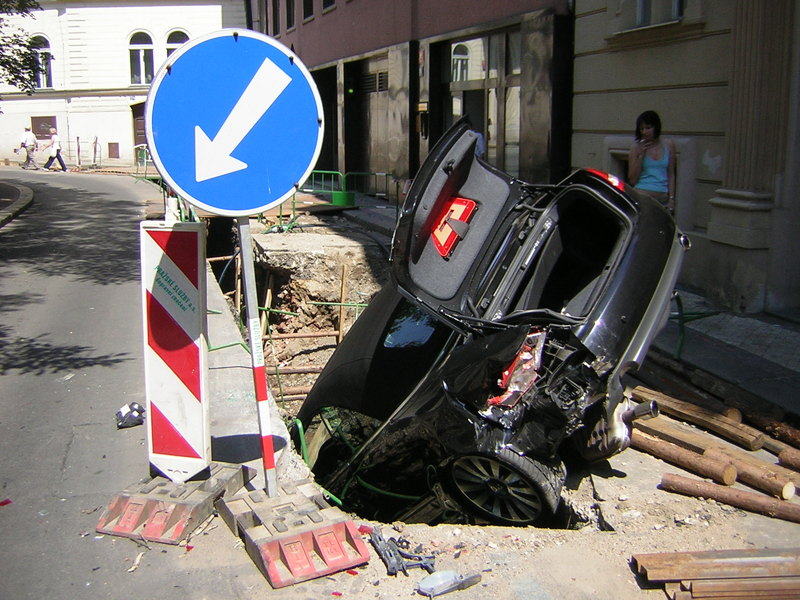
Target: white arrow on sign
(213, 158)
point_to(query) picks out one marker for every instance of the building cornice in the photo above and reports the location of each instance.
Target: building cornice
(133, 92)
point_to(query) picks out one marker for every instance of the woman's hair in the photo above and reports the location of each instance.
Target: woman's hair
(649, 117)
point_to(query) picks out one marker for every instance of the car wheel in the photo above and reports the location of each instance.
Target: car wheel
(507, 488)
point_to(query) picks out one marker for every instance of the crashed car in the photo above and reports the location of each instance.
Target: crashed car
(497, 349)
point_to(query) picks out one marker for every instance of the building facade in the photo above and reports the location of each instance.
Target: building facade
(394, 75)
(99, 58)
(724, 75)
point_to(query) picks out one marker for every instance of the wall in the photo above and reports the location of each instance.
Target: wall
(354, 27)
(719, 79)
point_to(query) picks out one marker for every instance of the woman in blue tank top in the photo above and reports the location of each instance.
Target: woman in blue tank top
(651, 161)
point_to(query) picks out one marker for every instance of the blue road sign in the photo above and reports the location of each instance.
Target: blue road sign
(234, 122)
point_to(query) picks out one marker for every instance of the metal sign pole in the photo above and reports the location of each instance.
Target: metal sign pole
(257, 356)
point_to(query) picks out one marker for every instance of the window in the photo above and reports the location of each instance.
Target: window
(644, 13)
(327, 3)
(44, 79)
(41, 126)
(289, 14)
(141, 56)
(175, 39)
(308, 9)
(276, 23)
(460, 63)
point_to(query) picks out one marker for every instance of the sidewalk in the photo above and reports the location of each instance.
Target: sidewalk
(13, 200)
(758, 353)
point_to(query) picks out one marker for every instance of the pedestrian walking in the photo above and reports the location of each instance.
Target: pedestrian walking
(54, 150)
(29, 144)
(651, 160)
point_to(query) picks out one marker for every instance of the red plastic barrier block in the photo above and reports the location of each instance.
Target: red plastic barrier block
(162, 511)
(316, 553)
(296, 536)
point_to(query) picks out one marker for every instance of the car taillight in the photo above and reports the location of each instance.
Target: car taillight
(452, 224)
(612, 179)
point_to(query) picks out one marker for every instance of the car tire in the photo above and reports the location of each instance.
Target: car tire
(507, 488)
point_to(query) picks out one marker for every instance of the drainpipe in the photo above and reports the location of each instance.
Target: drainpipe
(248, 14)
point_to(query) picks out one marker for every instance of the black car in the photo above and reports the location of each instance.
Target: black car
(498, 347)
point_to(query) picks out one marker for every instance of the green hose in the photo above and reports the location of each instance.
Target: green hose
(304, 453)
(361, 482)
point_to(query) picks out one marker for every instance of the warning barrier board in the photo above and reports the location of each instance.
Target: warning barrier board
(296, 536)
(174, 312)
(163, 511)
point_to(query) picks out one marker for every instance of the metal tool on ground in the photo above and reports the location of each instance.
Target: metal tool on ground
(395, 558)
(443, 582)
(296, 537)
(160, 510)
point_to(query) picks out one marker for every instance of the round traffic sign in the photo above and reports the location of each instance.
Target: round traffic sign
(234, 122)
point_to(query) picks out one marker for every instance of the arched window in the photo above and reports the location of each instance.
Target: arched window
(460, 64)
(175, 39)
(44, 79)
(140, 48)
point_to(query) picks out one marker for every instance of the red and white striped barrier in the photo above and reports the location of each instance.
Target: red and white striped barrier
(174, 314)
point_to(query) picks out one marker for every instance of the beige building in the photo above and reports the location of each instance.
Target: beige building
(99, 57)
(724, 75)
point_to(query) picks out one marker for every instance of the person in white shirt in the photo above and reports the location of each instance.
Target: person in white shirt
(55, 150)
(29, 144)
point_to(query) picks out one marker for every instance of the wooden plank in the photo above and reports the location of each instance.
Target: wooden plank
(765, 585)
(718, 564)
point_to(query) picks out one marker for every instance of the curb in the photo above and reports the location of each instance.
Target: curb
(21, 203)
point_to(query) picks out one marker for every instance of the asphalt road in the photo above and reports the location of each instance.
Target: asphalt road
(70, 357)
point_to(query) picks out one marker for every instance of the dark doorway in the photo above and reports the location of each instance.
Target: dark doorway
(139, 136)
(326, 84)
(356, 117)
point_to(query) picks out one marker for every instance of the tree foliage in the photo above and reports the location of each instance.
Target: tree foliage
(19, 64)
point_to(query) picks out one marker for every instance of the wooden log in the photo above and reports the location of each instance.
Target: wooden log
(293, 391)
(760, 477)
(731, 394)
(718, 468)
(237, 302)
(276, 370)
(340, 322)
(776, 428)
(790, 457)
(660, 378)
(666, 429)
(779, 470)
(300, 335)
(735, 432)
(290, 398)
(740, 499)
(264, 316)
(774, 446)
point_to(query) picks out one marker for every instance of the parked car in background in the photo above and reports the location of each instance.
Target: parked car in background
(498, 347)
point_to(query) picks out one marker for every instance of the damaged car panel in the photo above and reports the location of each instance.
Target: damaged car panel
(513, 313)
